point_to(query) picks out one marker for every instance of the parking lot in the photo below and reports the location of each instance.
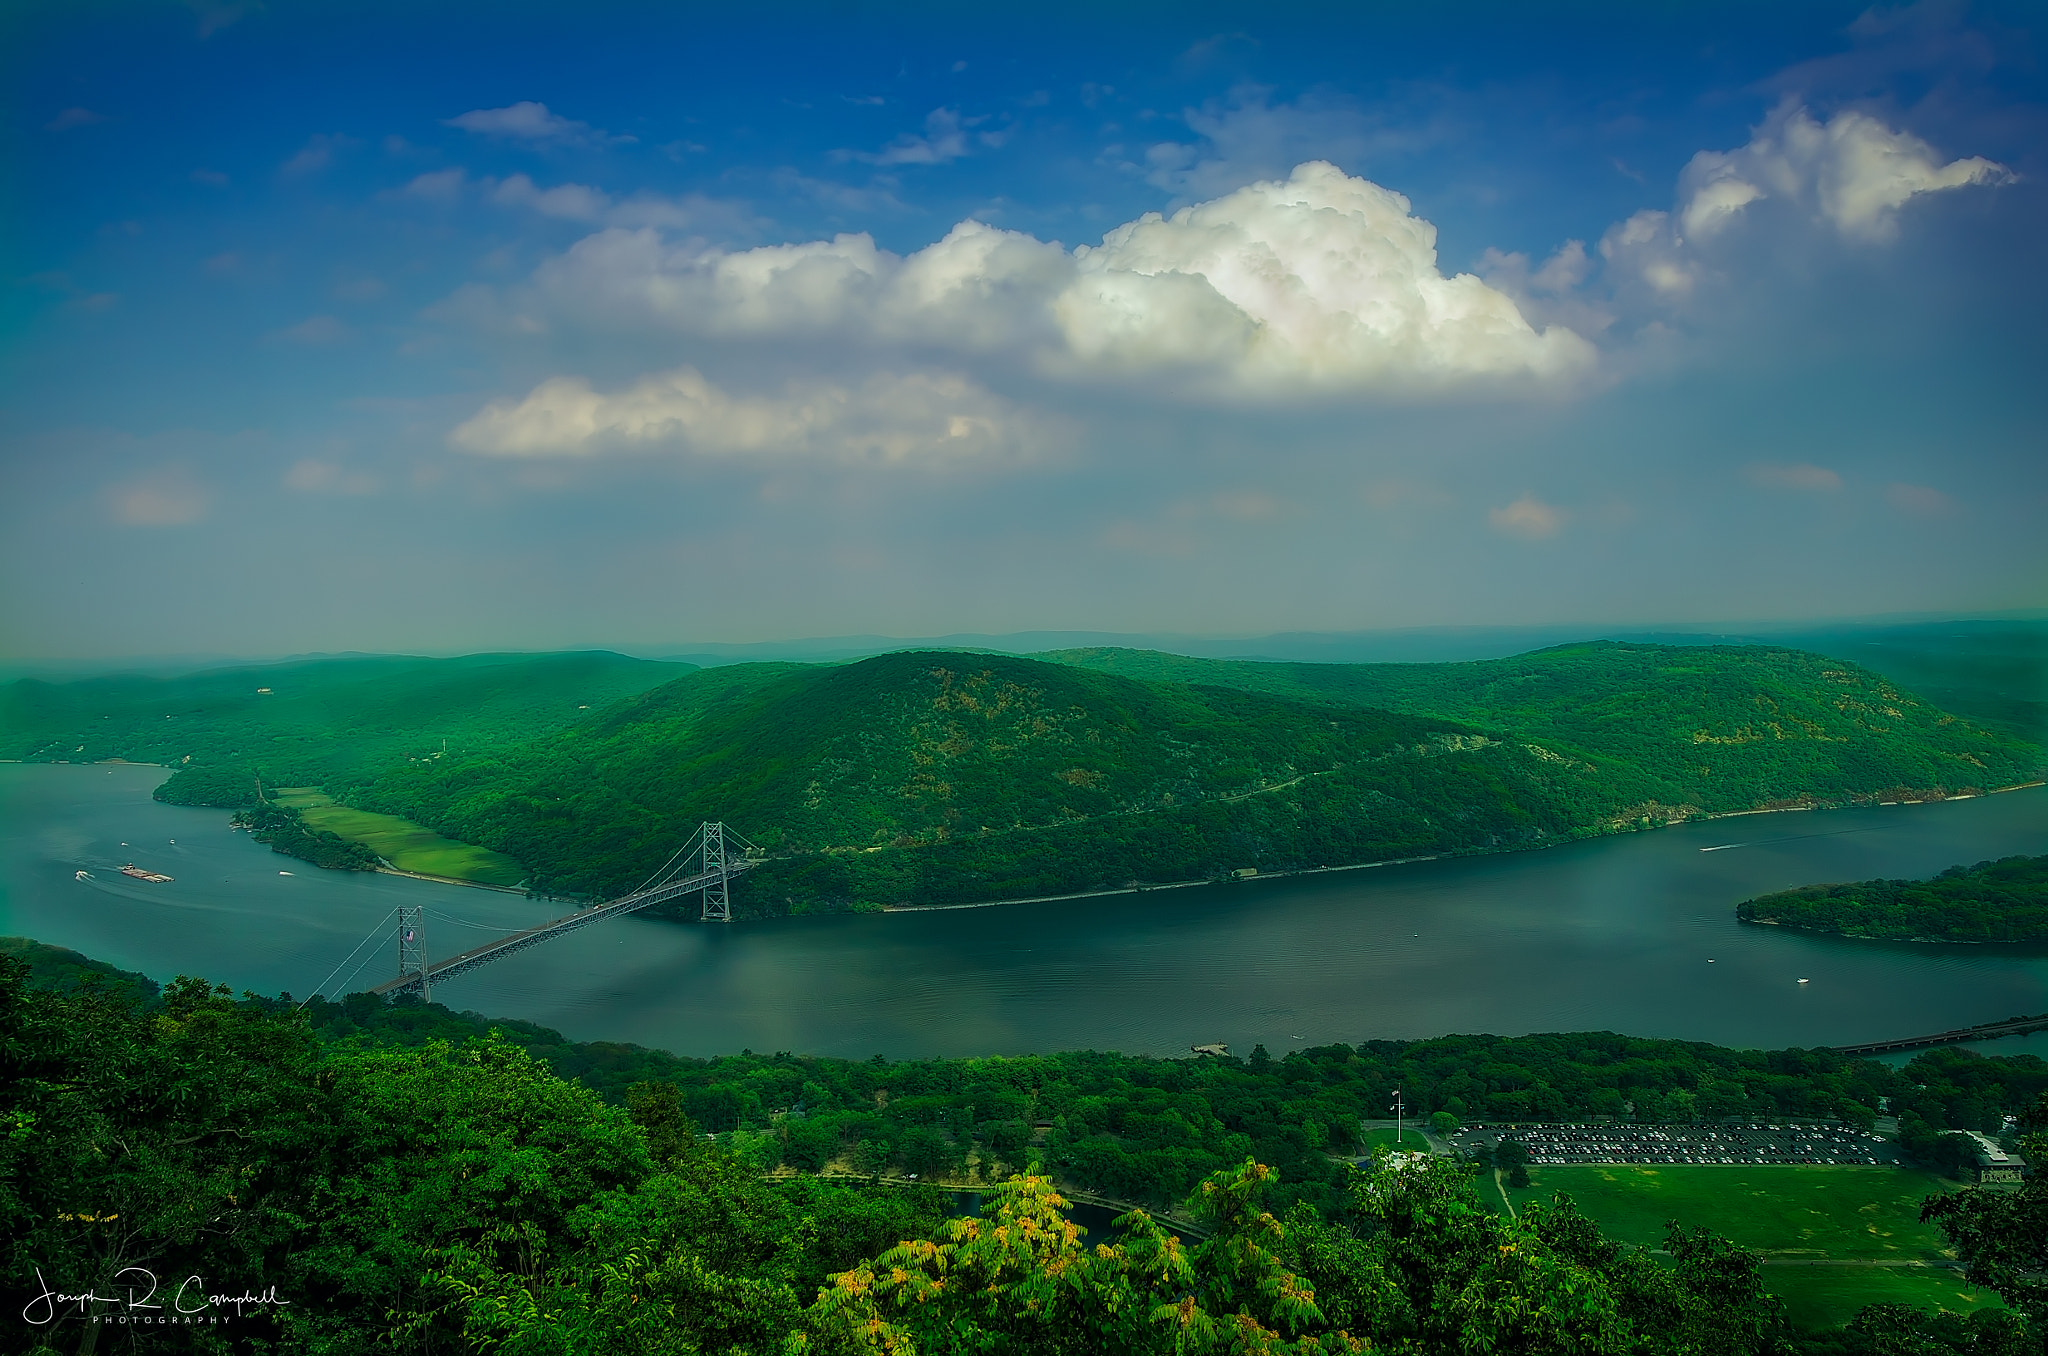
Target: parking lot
(1763, 1142)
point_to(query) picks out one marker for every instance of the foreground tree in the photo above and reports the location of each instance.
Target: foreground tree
(144, 1147)
(1420, 1266)
(2002, 1236)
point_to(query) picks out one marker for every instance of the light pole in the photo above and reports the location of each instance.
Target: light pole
(1397, 1108)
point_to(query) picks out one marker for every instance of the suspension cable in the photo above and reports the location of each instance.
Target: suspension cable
(358, 970)
(372, 936)
(695, 841)
(463, 922)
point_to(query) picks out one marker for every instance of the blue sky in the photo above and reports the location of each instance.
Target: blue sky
(448, 326)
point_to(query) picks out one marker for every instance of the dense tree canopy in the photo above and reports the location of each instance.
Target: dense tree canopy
(1146, 1130)
(350, 1180)
(2001, 901)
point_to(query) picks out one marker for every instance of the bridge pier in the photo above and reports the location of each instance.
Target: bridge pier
(412, 944)
(717, 904)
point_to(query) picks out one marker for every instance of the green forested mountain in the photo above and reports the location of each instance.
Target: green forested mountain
(1724, 727)
(2001, 901)
(1994, 672)
(944, 776)
(311, 722)
(947, 777)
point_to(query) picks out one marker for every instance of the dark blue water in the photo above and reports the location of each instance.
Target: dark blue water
(1634, 933)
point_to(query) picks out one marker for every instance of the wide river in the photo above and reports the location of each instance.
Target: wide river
(1635, 933)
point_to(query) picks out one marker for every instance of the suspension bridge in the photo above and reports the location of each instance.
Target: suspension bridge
(706, 864)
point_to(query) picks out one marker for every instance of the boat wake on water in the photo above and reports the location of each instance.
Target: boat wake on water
(1792, 838)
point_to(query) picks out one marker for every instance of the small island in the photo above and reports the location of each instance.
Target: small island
(2001, 901)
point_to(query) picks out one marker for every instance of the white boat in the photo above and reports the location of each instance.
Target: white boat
(81, 875)
(287, 873)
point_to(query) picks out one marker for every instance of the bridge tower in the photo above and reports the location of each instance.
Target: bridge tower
(717, 906)
(412, 944)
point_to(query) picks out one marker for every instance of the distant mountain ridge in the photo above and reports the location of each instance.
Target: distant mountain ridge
(1713, 728)
(922, 777)
(324, 721)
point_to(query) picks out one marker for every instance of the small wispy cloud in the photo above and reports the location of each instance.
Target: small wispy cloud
(214, 15)
(534, 123)
(167, 498)
(1528, 518)
(312, 476)
(437, 186)
(947, 137)
(316, 155)
(74, 117)
(314, 330)
(1796, 475)
(1919, 501)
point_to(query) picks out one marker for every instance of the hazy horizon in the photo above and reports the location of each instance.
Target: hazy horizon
(1422, 644)
(452, 329)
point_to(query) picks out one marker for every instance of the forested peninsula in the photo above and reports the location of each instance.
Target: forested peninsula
(948, 777)
(2001, 901)
(397, 1175)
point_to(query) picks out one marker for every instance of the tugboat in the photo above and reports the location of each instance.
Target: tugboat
(154, 877)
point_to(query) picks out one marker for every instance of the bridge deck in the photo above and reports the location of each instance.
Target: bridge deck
(2019, 1026)
(533, 936)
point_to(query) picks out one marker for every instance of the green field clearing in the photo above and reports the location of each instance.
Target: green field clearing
(1411, 1140)
(406, 845)
(1828, 1297)
(1789, 1215)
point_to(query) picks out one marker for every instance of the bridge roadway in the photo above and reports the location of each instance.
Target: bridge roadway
(534, 936)
(2017, 1026)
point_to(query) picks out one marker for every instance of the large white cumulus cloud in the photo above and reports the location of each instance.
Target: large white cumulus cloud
(887, 419)
(1318, 283)
(1323, 279)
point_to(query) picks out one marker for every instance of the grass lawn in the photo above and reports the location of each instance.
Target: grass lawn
(1411, 1140)
(406, 845)
(1788, 1214)
(1828, 1297)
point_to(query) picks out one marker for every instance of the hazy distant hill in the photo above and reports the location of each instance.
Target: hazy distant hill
(328, 721)
(1729, 727)
(934, 777)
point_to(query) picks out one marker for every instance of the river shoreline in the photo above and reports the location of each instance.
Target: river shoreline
(1915, 941)
(519, 890)
(1629, 932)
(1440, 856)
(385, 869)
